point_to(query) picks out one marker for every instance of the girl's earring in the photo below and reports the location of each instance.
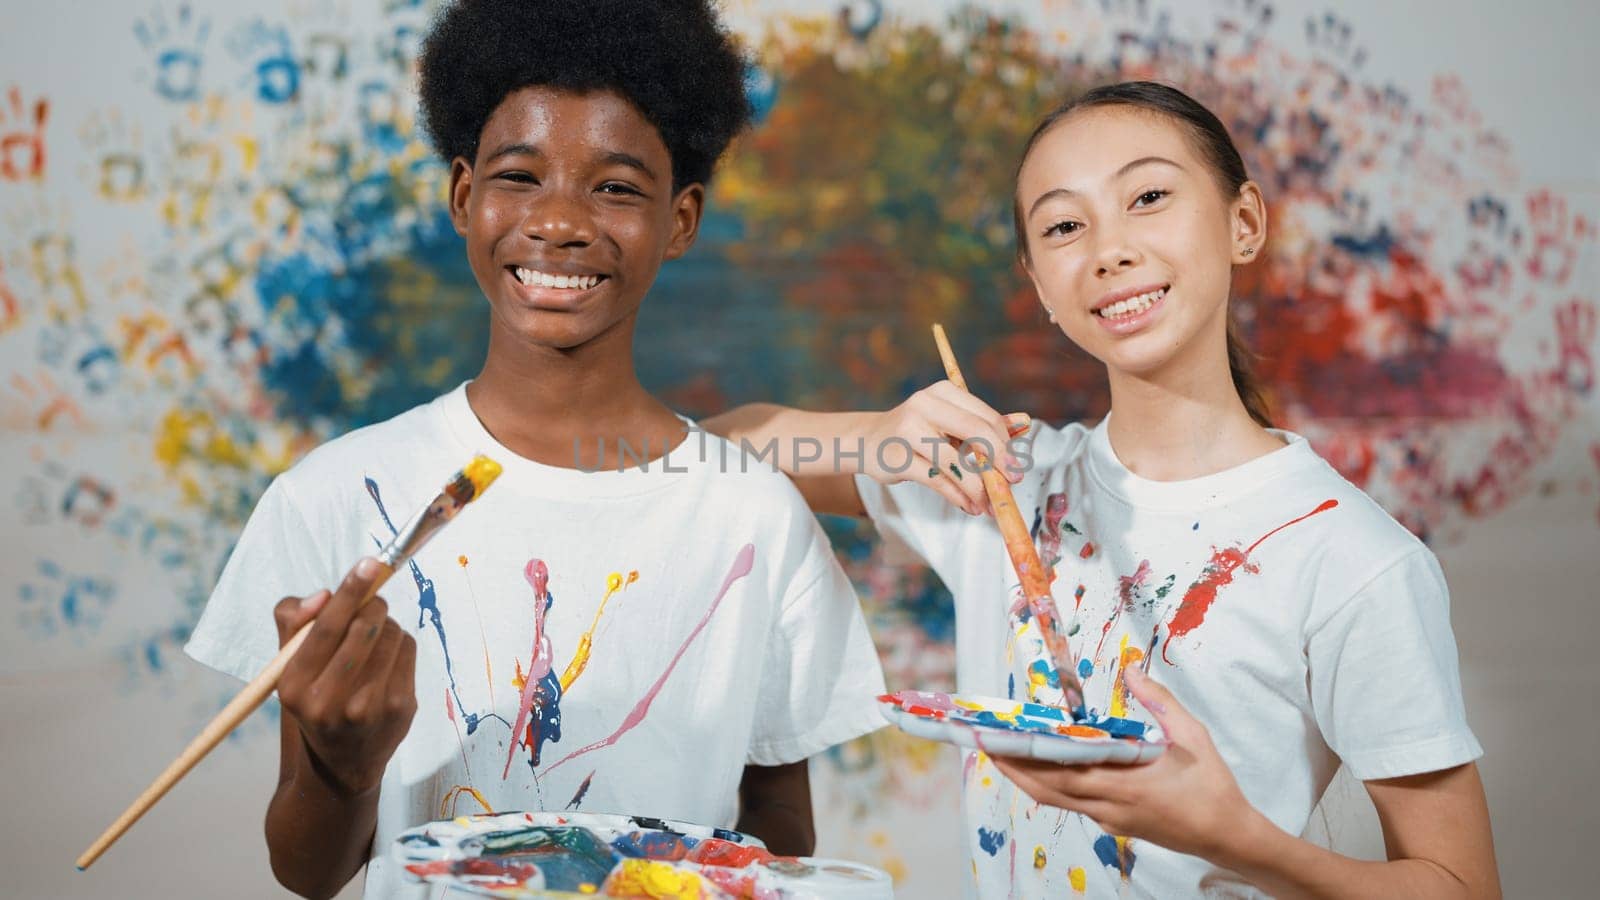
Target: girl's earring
(1049, 313)
(1248, 250)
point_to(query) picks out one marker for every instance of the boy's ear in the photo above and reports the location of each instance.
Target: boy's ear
(686, 209)
(460, 193)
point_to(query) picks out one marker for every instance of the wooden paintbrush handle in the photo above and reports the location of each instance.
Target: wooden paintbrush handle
(248, 700)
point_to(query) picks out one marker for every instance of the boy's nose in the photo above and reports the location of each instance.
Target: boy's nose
(559, 221)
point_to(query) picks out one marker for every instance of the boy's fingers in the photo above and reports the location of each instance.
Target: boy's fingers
(327, 633)
(292, 613)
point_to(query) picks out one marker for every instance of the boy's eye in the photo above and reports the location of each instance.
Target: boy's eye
(517, 177)
(616, 187)
(1062, 229)
(1149, 197)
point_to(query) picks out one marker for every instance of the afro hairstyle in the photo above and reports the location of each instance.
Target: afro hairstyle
(671, 58)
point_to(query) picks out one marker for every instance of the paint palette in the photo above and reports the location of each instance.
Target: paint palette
(569, 855)
(1002, 727)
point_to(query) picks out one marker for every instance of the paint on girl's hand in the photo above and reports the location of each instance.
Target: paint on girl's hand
(991, 841)
(1218, 574)
(956, 471)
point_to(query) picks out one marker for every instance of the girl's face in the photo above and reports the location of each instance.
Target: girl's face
(1131, 243)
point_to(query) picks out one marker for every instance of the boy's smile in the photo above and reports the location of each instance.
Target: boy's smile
(568, 211)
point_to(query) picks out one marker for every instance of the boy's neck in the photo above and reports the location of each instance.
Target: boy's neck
(571, 408)
(1186, 421)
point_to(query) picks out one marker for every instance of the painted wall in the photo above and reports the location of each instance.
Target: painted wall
(222, 242)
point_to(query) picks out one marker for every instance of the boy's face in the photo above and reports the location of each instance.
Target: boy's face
(568, 212)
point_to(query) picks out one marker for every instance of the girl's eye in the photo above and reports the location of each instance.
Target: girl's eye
(1062, 229)
(1149, 197)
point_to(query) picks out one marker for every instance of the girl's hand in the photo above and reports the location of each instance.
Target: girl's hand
(1186, 800)
(927, 439)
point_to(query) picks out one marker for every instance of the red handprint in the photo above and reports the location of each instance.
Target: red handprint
(1576, 323)
(22, 153)
(1556, 235)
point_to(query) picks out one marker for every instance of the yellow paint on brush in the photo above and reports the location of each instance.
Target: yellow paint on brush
(657, 880)
(1078, 878)
(482, 472)
(580, 657)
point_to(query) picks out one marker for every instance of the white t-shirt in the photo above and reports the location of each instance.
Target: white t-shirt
(1298, 645)
(651, 706)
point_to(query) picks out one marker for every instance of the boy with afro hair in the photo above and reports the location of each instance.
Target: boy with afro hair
(633, 620)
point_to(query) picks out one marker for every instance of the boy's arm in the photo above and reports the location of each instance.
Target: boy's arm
(775, 805)
(348, 697)
(920, 440)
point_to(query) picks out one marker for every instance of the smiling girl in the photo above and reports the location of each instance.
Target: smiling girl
(1287, 624)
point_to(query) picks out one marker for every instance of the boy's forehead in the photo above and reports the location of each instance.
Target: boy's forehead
(600, 118)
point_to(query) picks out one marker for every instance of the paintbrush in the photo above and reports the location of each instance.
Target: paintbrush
(467, 485)
(1060, 666)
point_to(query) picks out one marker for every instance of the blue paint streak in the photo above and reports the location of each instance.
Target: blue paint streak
(1105, 848)
(991, 841)
(1085, 668)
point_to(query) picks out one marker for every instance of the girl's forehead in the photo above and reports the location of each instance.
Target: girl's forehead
(1089, 147)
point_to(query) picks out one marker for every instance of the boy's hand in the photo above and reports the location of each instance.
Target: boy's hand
(350, 688)
(922, 440)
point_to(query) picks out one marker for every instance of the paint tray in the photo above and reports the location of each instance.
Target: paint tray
(578, 854)
(1001, 727)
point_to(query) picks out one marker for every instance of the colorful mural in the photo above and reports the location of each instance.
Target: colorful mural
(254, 257)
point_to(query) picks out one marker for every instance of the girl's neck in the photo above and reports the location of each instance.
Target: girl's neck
(570, 408)
(1185, 421)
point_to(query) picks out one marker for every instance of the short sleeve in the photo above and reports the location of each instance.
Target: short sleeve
(821, 677)
(1385, 681)
(277, 556)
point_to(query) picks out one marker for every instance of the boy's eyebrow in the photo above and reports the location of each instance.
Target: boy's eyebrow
(515, 150)
(1068, 192)
(617, 157)
(613, 157)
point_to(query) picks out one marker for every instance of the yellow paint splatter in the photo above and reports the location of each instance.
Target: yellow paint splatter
(447, 803)
(580, 656)
(1131, 656)
(1039, 858)
(1078, 878)
(462, 560)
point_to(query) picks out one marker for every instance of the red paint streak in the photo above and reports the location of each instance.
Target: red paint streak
(1218, 574)
(1087, 551)
(1126, 586)
(742, 565)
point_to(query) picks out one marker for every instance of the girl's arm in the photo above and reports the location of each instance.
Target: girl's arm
(1436, 829)
(923, 439)
(1436, 826)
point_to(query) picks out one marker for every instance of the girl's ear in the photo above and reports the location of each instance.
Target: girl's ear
(1248, 222)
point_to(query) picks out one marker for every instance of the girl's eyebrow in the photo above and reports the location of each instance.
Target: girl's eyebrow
(1068, 192)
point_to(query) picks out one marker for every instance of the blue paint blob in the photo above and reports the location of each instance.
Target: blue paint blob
(1105, 848)
(1085, 668)
(991, 841)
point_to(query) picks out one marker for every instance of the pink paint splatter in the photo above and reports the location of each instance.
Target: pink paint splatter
(538, 576)
(742, 565)
(1217, 574)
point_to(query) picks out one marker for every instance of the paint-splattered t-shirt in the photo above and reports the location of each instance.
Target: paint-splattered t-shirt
(608, 641)
(1280, 604)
